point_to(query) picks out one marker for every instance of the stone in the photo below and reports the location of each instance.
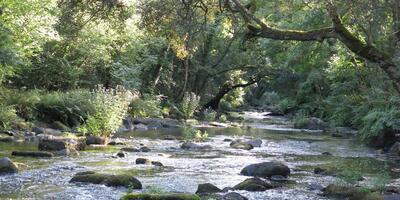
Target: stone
(207, 188)
(157, 163)
(194, 146)
(142, 161)
(168, 137)
(38, 130)
(227, 189)
(319, 170)
(168, 196)
(121, 154)
(266, 169)
(228, 140)
(315, 187)
(6, 139)
(239, 144)
(115, 143)
(313, 123)
(144, 149)
(255, 143)
(9, 133)
(141, 127)
(130, 149)
(349, 192)
(7, 166)
(60, 145)
(234, 196)
(96, 140)
(253, 184)
(52, 144)
(326, 153)
(32, 154)
(107, 179)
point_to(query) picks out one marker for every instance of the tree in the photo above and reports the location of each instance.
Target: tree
(364, 49)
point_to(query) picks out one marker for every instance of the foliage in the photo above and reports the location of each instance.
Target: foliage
(189, 105)
(7, 116)
(223, 118)
(209, 115)
(147, 106)
(111, 106)
(192, 134)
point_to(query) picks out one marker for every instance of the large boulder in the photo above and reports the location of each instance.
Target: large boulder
(266, 169)
(207, 188)
(253, 184)
(60, 145)
(349, 192)
(234, 196)
(107, 179)
(32, 154)
(7, 166)
(171, 196)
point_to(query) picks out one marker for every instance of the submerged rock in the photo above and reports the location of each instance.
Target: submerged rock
(32, 154)
(194, 146)
(7, 166)
(349, 192)
(255, 143)
(96, 140)
(266, 169)
(144, 161)
(107, 179)
(121, 154)
(172, 196)
(144, 149)
(130, 149)
(253, 184)
(239, 144)
(207, 188)
(234, 196)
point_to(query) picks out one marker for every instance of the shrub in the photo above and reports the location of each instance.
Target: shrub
(7, 116)
(225, 105)
(209, 115)
(192, 134)
(145, 107)
(223, 118)
(189, 105)
(111, 106)
(378, 121)
(285, 106)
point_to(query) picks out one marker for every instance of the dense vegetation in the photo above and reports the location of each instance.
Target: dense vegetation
(203, 55)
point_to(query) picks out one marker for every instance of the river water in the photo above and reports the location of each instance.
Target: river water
(301, 150)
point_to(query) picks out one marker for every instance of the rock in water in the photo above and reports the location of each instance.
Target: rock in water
(7, 166)
(170, 196)
(96, 140)
(255, 143)
(32, 154)
(194, 146)
(207, 188)
(239, 144)
(266, 169)
(234, 196)
(107, 179)
(253, 184)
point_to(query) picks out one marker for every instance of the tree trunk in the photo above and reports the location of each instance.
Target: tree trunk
(214, 102)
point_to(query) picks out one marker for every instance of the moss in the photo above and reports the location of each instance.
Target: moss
(107, 179)
(160, 197)
(351, 193)
(253, 184)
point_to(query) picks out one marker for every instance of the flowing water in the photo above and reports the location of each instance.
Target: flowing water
(300, 149)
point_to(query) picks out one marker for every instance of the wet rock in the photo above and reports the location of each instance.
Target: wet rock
(253, 184)
(239, 144)
(141, 127)
(32, 154)
(218, 124)
(168, 137)
(115, 143)
(326, 153)
(107, 179)
(144, 149)
(6, 139)
(194, 146)
(60, 145)
(140, 161)
(349, 192)
(266, 169)
(207, 188)
(130, 149)
(7, 166)
(157, 163)
(255, 143)
(234, 196)
(96, 140)
(121, 154)
(38, 130)
(228, 140)
(227, 189)
(158, 122)
(170, 196)
(315, 187)
(319, 170)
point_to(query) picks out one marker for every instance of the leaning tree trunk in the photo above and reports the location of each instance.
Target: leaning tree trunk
(214, 102)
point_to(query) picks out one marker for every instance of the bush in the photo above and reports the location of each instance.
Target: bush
(225, 105)
(378, 121)
(192, 134)
(223, 118)
(209, 115)
(189, 105)
(7, 116)
(145, 107)
(111, 106)
(285, 106)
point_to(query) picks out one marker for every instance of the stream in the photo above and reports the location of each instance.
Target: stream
(301, 150)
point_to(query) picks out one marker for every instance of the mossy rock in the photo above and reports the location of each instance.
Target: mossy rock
(253, 184)
(107, 179)
(350, 192)
(207, 188)
(172, 196)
